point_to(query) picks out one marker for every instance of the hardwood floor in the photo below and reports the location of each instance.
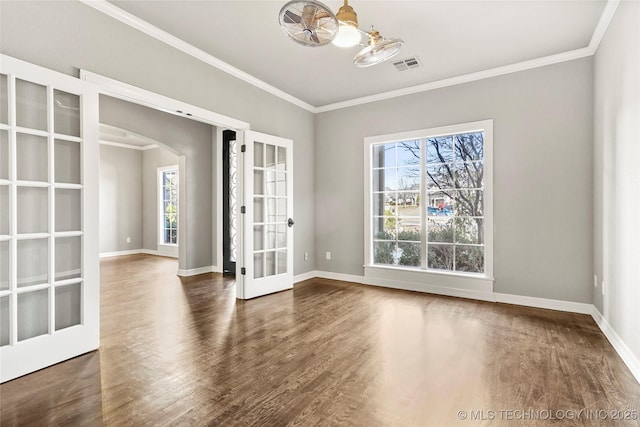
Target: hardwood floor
(186, 352)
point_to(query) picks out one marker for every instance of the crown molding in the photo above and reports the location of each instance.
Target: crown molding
(131, 20)
(173, 41)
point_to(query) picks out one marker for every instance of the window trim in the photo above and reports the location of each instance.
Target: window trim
(485, 126)
(160, 206)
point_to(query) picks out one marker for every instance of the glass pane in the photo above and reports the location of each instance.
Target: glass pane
(67, 162)
(5, 318)
(282, 262)
(270, 264)
(68, 306)
(4, 154)
(470, 258)
(440, 229)
(409, 153)
(282, 210)
(384, 180)
(66, 113)
(384, 155)
(469, 146)
(281, 184)
(440, 150)
(271, 209)
(282, 236)
(441, 203)
(5, 210)
(32, 158)
(410, 254)
(469, 203)
(68, 257)
(282, 158)
(258, 265)
(384, 253)
(409, 232)
(33, 314)
(31, 105)
(469, 175)
(258, 182)
(407, 204)
(258, 209)
(33, 210)
(258, 154)
(4, 265)
(408, 179)
(4, 100)
(271, 156)
(271, 183)
(271, 236)
(440, 257)
(385, 228)
(382, 204)
(469, 230)
(68, 210)
(439, 176)
(258, 237)
(33, 262)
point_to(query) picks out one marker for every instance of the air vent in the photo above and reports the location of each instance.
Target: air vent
(405, 64)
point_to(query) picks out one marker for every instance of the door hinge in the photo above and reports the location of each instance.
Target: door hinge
(243, 209)
(243, 148)
(243, 271)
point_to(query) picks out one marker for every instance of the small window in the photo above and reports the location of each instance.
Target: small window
(168, 205)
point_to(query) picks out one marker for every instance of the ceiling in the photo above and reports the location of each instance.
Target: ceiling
(451, 39)
(112, 135)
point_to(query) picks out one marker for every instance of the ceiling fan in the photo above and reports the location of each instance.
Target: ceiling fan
(311, 23)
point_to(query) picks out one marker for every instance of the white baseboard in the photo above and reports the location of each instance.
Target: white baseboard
(121, 253)
(305, 276)
(625, 353)
(550, 304)
(196, 271)
(339, 276)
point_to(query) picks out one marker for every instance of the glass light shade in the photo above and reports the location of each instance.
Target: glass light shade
(348, 36)
(378, 52)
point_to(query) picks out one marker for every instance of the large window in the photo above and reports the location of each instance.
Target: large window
(168, 205)
(429, 199)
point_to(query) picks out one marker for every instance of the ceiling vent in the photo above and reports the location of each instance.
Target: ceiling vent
(405, 64)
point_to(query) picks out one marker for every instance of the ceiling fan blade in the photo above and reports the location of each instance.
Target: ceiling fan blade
(291, 18)
(314, 37)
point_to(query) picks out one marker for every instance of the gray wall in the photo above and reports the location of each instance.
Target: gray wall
(66, 36)
(151, 161)
(617, 175)
(187, 137)
(542, 174)
(120, 199)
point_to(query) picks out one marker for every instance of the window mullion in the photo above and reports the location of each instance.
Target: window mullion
(424, 200)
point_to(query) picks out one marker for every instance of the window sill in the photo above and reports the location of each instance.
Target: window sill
(429, 281)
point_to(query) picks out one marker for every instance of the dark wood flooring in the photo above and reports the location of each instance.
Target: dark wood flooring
(186, 352)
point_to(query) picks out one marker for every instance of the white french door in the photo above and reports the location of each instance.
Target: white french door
(265, 240)
(49, 271)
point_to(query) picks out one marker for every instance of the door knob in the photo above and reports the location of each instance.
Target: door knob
(290, 222)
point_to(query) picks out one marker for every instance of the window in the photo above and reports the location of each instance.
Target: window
(168, 205)
(429, 201)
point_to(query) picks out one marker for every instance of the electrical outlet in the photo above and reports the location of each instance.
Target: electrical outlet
(595, 280)
(328, 255)
(128, 239)
(603, 287)
(306, 256)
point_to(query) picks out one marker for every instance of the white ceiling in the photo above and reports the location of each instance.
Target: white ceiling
(451, 38)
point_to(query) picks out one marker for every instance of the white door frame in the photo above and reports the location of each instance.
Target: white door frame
(136, 95)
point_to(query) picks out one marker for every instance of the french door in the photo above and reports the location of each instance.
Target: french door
(265, 243)
(49, 272)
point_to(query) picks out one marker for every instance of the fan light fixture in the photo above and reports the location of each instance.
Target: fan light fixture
(311, 23)
(379, 50)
